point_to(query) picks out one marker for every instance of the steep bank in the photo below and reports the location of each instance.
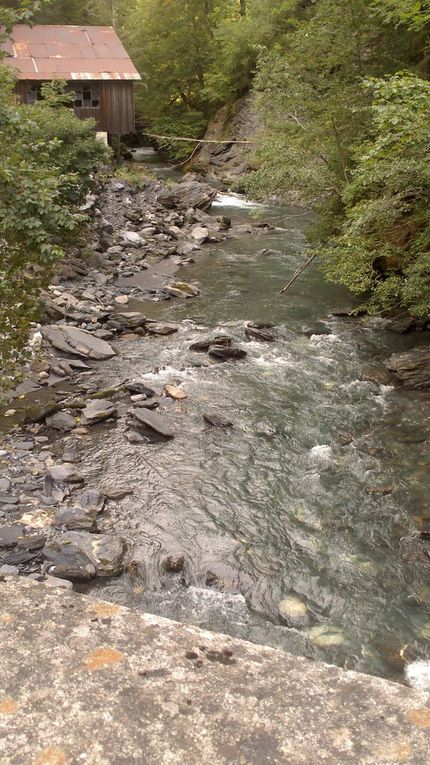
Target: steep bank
(228, 162)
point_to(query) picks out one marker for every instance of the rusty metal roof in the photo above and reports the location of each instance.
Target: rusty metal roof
(46, 52)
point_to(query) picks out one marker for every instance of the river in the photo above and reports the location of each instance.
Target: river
(277, 506)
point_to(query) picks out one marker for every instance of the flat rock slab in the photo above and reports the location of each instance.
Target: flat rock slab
(92, 682)
(154, 422)
(78, 342)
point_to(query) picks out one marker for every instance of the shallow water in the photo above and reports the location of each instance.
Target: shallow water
(274, 506)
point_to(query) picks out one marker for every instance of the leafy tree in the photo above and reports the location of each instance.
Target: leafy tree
(46, 159)
(383, 246)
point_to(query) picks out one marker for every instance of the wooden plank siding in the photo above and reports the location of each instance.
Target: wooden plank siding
(117, 107)
(115, 115)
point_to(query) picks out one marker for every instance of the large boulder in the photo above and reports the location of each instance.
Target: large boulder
(188, 194)
(411, 368)
(77, 342)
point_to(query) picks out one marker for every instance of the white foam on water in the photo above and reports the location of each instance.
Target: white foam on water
(417, 675)
(321, 454)
(234, 200)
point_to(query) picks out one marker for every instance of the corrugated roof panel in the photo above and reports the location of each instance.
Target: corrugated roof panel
(69, 52)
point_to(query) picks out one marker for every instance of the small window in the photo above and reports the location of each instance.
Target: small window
(34, 93)
(85, 97)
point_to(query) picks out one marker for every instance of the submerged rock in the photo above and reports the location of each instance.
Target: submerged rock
(78, 342)
(217, 420)
(257, 333)
(293, 612)
(411, 368)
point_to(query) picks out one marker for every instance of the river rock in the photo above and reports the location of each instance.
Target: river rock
(176, 393)
(411, 368)
(131, 237)
(126, 320)
(139, 387)
(66, 560)
(189, 194)
(61, 421)
(115, 493)
(156, 328)
(31, 542)
(154, 422)
(182, 290)
(98, 410)
(10, 535)
(92, 500)
(121, 299)
(8, 499)
(256, 333)
(5, 485)
(378, 375)
(78, 342)
(38, 411)
(76, 518)
(226, 353)
(217, 420)
(293, 612)
(199, 234)
(105, 551)
(66, 472)
(203, 345)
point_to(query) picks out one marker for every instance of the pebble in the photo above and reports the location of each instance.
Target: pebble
(4, 485)
(121, 299)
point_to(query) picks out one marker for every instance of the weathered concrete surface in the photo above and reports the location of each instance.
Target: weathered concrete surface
(91, 682)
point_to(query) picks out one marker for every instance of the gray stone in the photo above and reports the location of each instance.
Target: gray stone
(182, 289)
(115, 493)
(92, 500)
(162, 692)
(411, 368)
(66, 472)
(226, 353)
(10, 535)
(131, 237)
(154, 421)
(7, 499)
(38, 411)
(126, 320)
(31, 542)
(61, 421)
(76, 518)
(139, 387)
(78, 342)
(5, 485)
(8, 570)
(105, 551)
(203, 345)
(156, 328)
(99, 410)
(67, 561)
(257, 333)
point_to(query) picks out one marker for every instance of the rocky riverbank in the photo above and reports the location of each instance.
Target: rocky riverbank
(138, 238)
(67, 525)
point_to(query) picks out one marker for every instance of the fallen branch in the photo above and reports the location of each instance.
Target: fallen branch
(297, 273)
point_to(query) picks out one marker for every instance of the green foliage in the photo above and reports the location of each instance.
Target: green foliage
(383, 246)
(47, 156)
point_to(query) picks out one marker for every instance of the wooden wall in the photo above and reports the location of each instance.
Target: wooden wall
(116, 112)
(117, 107)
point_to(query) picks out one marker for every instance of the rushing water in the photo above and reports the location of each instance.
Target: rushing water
(275, 506)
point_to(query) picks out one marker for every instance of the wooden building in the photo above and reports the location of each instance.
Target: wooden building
(93, 62)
